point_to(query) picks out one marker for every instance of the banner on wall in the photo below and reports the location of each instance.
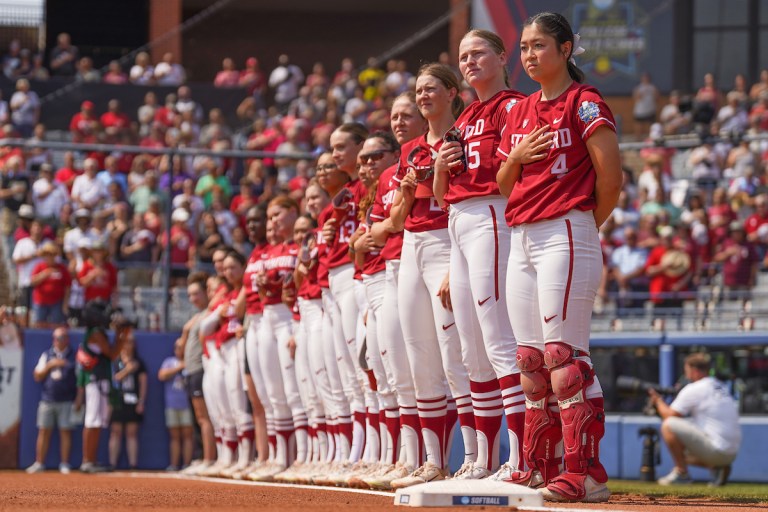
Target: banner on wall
(11, 352)
(623, 38)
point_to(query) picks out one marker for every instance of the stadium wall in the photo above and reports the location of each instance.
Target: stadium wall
(621, 449)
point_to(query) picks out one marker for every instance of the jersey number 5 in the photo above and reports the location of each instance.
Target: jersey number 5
(559, 168)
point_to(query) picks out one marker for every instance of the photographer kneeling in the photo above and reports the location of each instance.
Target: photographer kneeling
(95, 356)
(700, 426)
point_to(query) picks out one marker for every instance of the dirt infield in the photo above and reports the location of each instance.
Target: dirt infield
(119, 492)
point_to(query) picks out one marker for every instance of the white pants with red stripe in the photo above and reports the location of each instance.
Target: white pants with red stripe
(428, 330)
(279, 373)
(552, 278)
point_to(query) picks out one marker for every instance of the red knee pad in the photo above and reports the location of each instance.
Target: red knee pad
(583, 423)
(529, 359)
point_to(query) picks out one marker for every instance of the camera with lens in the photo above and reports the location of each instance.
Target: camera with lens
(634, 387)
(99, 314)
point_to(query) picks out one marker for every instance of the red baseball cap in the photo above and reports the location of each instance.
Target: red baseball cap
(87, 104)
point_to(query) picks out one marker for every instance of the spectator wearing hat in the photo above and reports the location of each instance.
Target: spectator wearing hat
(84, 126)
(88, 191)
(49, 196)
(55, 370)
(740, 262)
(24, 219)
(182, 247)
(50, 282)
(25, 256)
(669, 270)
(98, 276)
(255, 81)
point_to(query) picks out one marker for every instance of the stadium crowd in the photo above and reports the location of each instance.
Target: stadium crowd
(78, 231)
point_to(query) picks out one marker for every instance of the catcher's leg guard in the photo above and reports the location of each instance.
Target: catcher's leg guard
(583, 423)
(542, 427)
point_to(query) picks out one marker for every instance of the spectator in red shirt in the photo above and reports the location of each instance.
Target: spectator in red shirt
(66, 175)
(669, 270)
(740, 263)
(182, 249)
(84, 126)
(228, 76)
(98, 276)
(115, 122)
(50, 284)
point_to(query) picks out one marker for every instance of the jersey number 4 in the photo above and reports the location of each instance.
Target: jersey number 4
(560, 167)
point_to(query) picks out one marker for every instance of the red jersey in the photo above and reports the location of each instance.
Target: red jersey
(753, 223)
(182, 242)
(51, 290)
(278, 261)
(336, 250)
(565, 179)
(229, 324)
(661, 283)
(374, 261)
(382, 206)
(481, 124)
(101, 287)
(425, 214)
(310, 286)
(253, 303)
(83, 128)
(118, 120)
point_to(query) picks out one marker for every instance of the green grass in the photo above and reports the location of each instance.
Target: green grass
(738, 492)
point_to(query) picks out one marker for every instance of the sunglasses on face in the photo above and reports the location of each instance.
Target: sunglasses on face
(326, 168)
(374, 156)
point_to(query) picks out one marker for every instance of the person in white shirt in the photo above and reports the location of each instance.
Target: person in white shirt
(25, 257)
(88, 191)
(701, 425)
(48, 196)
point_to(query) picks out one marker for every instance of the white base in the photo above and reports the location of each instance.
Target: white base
(462, 493)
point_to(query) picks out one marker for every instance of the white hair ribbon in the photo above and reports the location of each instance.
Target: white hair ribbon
(577, 50)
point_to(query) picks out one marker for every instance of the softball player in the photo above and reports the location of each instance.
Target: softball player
(232, 351)
(332, 180)
(422, 290)
(563, 176)
(275, 361)
(214, 388)
(250, 301)
(465, 179)
(309, 291)
(379, 152)
(402, 425)
(346, 141)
